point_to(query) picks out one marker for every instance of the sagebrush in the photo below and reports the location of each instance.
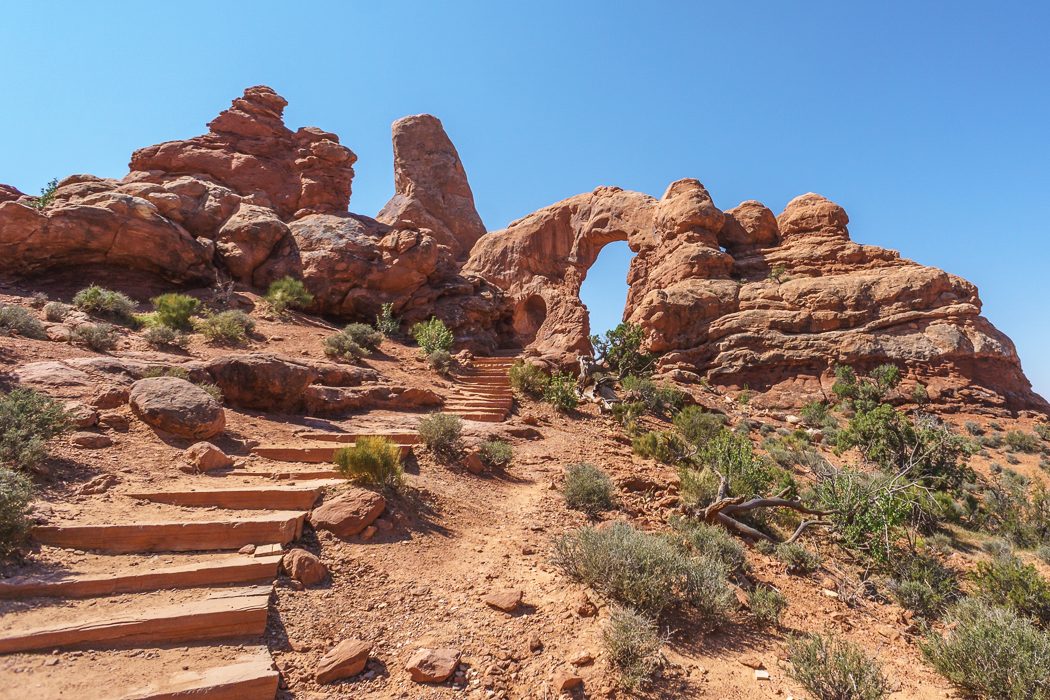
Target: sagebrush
(372, 460)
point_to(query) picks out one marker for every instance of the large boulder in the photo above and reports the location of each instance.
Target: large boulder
(349, 513)
(262, 381)
(178, 407)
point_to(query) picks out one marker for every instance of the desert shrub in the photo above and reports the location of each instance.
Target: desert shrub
(16, 493)
(973, 428)
(1020, 441)
(18, 320)
(627, 413)
(226, 327)
(733, 456)
(924, 585)
(47, 195)
(713, 542)
(174, 310)
(1043, 552)
(442, 433)
(528, 379)
(834, 669)
(867, 511)
(496, 453)
(56, 311)
(288, 293)
(1043, 431)
(864, 393)
(161, 371)
(386, 322)
(815, 413)
(440, 361)
(39, 300)
(994, 441)
(661, 445)
(588, 489)
(991, 653)
(649, 572)
(621, 350)
(107, 303)
(698, 426)
(632, 644)
(697, 487)
(354, 342)
(433, 335)
(1015, 509)
(798, 559)
(213, 390)
(372, 460)
(97, 336)
(560, 392)
(658, 400)
(766, 605)
(364, 335)
(161, 336)
(1010, 583)
(997, 547)
(28, 420)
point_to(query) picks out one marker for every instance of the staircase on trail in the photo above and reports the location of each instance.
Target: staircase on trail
(482, 392)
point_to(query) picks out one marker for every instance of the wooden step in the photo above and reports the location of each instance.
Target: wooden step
(258, 497)
(225, 614)
(396, 438)
(223, 569)
(311, 454)
(255, 679)
(281, 527)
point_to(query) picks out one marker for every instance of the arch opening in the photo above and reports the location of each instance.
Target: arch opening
(604, 289)
(529, 315)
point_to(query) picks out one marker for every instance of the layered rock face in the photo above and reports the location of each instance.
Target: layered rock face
(744, 298)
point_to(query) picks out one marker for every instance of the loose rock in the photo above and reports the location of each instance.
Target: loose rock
(432, 665)
(346, 659)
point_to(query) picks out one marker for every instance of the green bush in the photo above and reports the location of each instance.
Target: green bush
(100, 337)
(107, 303)
(766, 605)
(496, 453)
(869, 514)
(712, 542)
(799, 559)
(226, 327)
(56, 311)
(658, 400)
(648, 572)
(443, 434)
(621, 350)
(528, 379)
(1043, 552)
(663, 446)
(47, 195)
(697, 487)
(372, 460)
(588, 489)
(1010, 583)
(356, 341)
(991, 653)
(433, 335)
(28, 420)
(697, 426)
(174, 310)
(440, 361)
(39, 300)
(815, 413)
(924, 585)
(288, 293)
(973, 428)
(163, 336)
(386, 322)
(18, 320)
(1043, 431)
(833, 669)
(733, 456)
(632, 644)
(1020, 441)
(16, 494)
(560, 392)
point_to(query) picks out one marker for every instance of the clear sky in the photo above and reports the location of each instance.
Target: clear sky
(928, 121)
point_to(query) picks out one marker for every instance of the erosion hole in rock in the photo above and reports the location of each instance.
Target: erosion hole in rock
(604, 289)
(528, 317)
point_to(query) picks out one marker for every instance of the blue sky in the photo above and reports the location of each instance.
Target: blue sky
(928, 121)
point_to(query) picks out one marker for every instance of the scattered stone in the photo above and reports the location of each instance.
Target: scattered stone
(206, 457)
(100, 484)
(110, 397)
(368, 533)
(535, 643)
(115, 421)
(761, 674)
(346, 659)
(584, 607)
(91, 441)
(177, 406)
(508, 601)
(247, 549)
(349, 513)
(432, 665)
(81, 415)
(304, 567)
(472, 462)
(566, 681)
(582, 658)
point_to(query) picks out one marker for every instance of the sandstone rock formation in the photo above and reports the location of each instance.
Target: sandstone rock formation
(178, 407)
(348, 513)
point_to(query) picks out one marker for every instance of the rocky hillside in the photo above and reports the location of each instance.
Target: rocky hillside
(739, 298)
